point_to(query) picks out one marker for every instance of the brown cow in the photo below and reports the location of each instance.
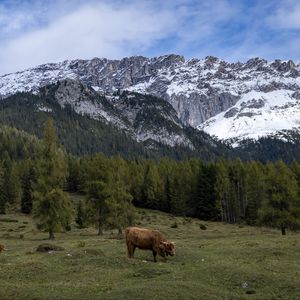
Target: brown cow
(2, 248)
(149, 240)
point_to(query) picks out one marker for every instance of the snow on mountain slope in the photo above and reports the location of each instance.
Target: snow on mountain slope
(255, 115)
(203, 92)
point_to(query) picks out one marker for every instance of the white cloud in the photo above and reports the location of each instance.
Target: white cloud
(89, 31)
(286, 15)
(108, 29)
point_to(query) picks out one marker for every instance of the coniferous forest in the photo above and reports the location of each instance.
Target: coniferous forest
(37, 175)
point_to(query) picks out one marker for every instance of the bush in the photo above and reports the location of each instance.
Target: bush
(202, 227)
(174, 225)
(9, 220)
(81, 244)
(68, 227)
(49, 247)
(187, 220)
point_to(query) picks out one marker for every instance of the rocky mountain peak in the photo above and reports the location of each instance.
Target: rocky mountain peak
(197, 89)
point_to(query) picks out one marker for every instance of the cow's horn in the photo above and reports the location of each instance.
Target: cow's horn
(165, 243)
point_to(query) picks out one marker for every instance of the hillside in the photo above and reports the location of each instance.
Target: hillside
(198, 89)
(160, 99)
(134, 125)
(222, 262)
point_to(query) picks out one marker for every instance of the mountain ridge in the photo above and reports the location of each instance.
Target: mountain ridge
(201, 91)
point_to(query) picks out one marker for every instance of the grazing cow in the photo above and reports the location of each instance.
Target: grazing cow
(149, 240)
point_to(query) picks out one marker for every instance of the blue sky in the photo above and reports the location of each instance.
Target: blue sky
(34, 32)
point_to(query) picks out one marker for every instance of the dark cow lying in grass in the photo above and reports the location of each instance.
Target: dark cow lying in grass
(149, 240)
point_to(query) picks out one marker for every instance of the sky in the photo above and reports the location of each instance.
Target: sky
(34, 32)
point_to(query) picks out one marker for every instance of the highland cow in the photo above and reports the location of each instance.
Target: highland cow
(148, 240)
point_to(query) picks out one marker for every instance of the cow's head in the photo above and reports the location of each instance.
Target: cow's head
(169, 248)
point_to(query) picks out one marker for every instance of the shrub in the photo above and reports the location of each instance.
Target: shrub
(202, 227)
(174, 225)
(81, 244)
(49, 247)
(8, 220)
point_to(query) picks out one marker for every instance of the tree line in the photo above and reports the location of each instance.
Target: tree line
(230, 191)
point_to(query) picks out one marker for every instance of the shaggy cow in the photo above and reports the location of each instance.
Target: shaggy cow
(149, 240)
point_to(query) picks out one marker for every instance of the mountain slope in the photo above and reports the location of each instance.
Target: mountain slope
(256, 115)
(129, 124)
(233, 101)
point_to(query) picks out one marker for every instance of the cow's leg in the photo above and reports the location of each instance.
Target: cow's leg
(133, 249)
(154, 255)
(130, 249)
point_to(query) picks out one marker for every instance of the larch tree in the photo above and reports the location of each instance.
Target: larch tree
(53, 209)
(281, 209)
(121, 212)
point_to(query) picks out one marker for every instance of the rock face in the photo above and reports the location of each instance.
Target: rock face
(143, 117)
(201, 91)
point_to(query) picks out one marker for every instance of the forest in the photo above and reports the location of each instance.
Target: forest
(38, 175)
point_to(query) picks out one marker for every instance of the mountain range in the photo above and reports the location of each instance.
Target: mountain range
(163, 99)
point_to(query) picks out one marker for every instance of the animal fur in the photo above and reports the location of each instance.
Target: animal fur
(148, 240)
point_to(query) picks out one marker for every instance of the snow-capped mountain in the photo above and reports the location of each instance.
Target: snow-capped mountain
(256, 115)
(232, 101)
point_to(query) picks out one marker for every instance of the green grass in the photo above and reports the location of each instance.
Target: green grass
(209, 264)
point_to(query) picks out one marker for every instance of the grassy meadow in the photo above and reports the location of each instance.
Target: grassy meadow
(222, 262)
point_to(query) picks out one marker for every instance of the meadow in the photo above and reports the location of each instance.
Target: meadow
(222, 261)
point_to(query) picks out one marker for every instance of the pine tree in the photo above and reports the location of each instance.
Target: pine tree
(2, 200)
(136, 172)
(11, 192)
(222, 189)
(52, 207)
(73, 180)
(152, 189)
(28, 180)
(255, 191)
(206, 207)
(80, 215)
(281, 209)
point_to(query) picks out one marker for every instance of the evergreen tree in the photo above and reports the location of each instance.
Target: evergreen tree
(28, 180)
(136, 175)
(80, 215)
(11, 191)
(206, 207)
(52, 207)
(180, 188)
(2, 200)
(281, 209)
(222, 190)
(97, 206)
(117, 196)
(255, 191)
(53, 211)
(73, 180)
(152, 189)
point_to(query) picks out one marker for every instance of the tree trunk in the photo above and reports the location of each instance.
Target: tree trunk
(100, 228)
(51, 235)
(100, 231)
(283, 230)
